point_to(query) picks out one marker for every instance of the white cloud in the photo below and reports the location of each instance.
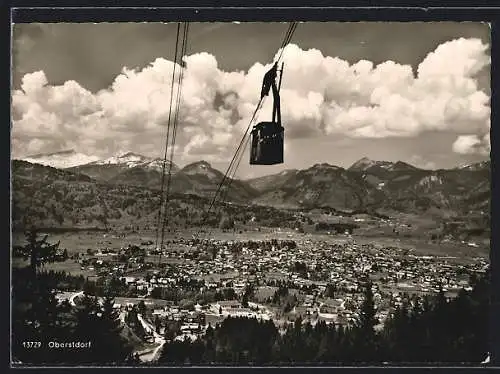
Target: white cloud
(472, 144)
(321, 95)
(459, 58)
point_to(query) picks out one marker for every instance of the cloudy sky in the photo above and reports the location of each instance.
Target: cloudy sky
(416, 92)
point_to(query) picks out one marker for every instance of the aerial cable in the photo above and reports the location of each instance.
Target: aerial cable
(174, 130)
(167, 139)
(232, 173)
(288, 36)
(225, 195)
(169, 128)
(238, 156)
(221, 183)
(244, 140)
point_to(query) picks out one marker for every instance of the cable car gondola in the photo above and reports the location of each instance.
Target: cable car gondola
(267, 137)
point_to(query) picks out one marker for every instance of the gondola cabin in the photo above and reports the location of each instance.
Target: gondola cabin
(267, 142)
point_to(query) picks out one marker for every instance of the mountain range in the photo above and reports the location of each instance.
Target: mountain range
(366, 184)
(62, 159)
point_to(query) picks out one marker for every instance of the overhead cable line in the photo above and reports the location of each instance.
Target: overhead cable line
(174, 130)
(167, 140)
(231, 170)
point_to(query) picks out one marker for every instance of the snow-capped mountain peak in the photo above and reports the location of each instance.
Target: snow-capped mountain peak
(132, 160)
(129, 159)
(62, 159)
(70, 158)
(157, 164)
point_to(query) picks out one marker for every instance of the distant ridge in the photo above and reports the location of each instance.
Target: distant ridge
(365, 164)
(62, 159)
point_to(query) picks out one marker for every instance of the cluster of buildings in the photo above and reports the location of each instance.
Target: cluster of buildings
(307, 266)
(171, 321)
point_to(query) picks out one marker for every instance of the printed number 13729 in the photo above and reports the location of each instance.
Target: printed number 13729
(32, 344)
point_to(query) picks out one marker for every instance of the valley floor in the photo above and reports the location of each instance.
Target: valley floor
(307, 263)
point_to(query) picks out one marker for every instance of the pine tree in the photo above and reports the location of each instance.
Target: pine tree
(209, 339)
(86, 326)
(113, 346)
(35, 316)
(365, 335)
(35, 308)
(440, 327)
(38, 251)
(247, 294)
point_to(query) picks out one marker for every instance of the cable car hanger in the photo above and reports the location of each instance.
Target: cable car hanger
(267, 137)
(273, 153)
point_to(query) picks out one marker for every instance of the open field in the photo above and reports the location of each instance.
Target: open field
(69, 266)
(80, 241)
(455, 252)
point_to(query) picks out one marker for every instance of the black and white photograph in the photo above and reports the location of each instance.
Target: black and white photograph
(250, 194)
